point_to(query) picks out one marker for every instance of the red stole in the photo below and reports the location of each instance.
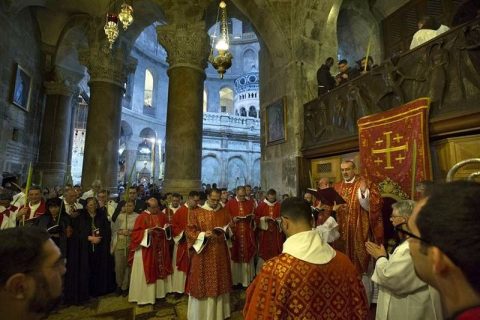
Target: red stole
(40, 210)
(270, 242)
(179, 224)
(243, 247)
(157, 261)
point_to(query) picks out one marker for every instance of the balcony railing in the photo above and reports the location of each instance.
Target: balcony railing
(446, 69)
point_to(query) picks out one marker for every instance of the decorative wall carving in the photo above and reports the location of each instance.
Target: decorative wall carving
(446, 69)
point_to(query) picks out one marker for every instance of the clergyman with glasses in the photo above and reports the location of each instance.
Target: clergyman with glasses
(402, 295)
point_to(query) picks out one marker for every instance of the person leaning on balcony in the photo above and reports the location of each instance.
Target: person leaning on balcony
(429, 28)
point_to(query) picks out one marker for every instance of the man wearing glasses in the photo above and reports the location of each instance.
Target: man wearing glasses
(402, 295)
(445, 246)
(30, 275)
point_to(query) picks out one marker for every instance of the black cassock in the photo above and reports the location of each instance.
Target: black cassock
(90, 269)
(57, 228)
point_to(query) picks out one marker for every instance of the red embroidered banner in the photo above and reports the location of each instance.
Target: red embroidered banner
(394, 145)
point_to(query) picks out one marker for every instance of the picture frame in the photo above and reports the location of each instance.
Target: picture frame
(22, 88)
(276, 120)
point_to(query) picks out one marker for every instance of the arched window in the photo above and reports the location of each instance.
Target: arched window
(226, 99)
(250, 61)
(243, 112)
(205, 101)
(148, 91)
(252, 112)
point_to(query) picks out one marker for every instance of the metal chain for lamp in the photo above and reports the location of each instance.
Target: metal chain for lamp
(223, 60)
(125, 16)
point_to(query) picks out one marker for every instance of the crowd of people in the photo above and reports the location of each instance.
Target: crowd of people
(428, 28)
(316, 257)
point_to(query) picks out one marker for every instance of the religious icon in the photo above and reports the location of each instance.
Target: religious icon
(22, 89)
(275, 122)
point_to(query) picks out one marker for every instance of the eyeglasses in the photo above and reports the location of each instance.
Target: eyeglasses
(409, 234)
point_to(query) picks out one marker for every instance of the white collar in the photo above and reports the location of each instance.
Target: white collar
(206, 206)
(239, 200)
(351, 181)
(308, 246)
(270, 203)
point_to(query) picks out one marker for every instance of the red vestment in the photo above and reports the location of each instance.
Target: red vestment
(357, 225)
(210, 274)
(157, 261)
(179, 224)
(270, 241)
(243, 247)
(290, 288)
(40, 210)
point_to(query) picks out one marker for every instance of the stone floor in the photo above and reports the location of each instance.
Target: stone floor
(118, 308)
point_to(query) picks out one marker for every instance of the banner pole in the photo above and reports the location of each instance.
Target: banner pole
(414, 168)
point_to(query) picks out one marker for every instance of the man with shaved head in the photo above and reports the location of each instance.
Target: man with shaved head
(149, 255)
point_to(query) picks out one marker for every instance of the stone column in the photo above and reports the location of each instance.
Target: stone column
(187, 48)
(108, 72)
(57, 124)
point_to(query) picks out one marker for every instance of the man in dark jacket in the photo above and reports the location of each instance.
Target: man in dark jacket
(325, 80)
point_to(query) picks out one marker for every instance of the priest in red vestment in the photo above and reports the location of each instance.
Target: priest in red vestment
(209, 280)
(270, 237)
(360, 218)
(149, 255)
(180, 259)
(309, 280)
(243, 244)
(33, 209)
(6, 211)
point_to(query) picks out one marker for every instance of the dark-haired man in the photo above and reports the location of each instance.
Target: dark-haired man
(133, 195)
(269, 238)
(244, 246)
(309, 280)
(149, 256)
(180, 250)
(445, 246)
(346, 73)
(7, 217)
(324, 78)
(31, 273)
(34, 208)
(209, 280)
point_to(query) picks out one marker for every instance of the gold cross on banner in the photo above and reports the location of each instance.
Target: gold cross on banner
(389, 149)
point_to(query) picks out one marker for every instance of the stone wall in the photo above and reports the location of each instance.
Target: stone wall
(20, 129)
(231, 150)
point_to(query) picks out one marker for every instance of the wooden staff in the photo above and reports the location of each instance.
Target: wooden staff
(414, 168)
(368, 50)
(126, 197)
(27, 187)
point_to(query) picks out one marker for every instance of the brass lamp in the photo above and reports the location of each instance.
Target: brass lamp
(126, 15)
(111, 28)
(223, 60)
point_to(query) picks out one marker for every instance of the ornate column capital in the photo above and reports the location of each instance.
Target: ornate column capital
(107, 66)
(186, 44)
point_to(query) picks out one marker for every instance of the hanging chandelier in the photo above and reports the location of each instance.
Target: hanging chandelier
(223, 60)
(125, 16)
(111, 28)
